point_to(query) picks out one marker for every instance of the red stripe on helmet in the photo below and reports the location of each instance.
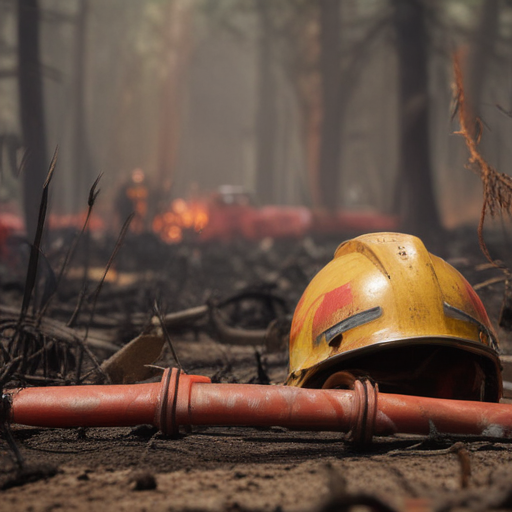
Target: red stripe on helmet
(331, 303)
(477, 304)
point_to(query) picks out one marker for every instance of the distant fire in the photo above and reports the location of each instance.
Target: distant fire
(181, 217)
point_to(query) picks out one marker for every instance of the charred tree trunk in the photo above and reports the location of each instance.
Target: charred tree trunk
(415, 190)
(31, 110)
(332, 103)
(266, 121)
(82, 166)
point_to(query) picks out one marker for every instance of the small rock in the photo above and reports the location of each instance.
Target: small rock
(144, 482)
(144, 431)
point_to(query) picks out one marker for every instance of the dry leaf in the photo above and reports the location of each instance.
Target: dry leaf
(127, 365)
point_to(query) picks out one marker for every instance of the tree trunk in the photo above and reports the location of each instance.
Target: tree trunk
(266, 121)
(332, 103)
(82, 166)
(31, 110)
(415, 189)
(177, 44)
(482, 49)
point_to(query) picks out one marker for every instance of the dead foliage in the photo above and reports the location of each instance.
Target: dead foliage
(497, 187)
(34, 349)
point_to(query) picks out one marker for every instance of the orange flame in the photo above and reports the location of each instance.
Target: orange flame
(181, 217)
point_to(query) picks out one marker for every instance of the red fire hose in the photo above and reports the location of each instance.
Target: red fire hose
(186, 400)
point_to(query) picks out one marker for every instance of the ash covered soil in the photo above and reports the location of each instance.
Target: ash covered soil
(236, 469)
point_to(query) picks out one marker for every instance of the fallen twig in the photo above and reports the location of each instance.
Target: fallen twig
(180, 318)
(489, 282)
(235, 336)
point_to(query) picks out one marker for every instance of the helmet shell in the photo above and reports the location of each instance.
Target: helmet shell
(382, 290)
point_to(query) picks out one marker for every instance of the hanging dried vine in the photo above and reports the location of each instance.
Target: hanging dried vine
(497, 187)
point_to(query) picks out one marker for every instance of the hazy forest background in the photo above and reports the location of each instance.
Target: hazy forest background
(325, 103)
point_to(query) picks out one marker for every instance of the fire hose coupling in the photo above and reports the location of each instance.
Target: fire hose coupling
(365, 412)
(174, 400)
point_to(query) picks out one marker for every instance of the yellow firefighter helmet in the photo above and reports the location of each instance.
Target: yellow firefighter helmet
(387, 309)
